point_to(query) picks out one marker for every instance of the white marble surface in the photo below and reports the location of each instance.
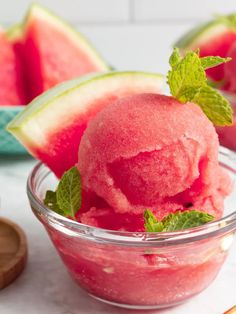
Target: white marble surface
(45, 286)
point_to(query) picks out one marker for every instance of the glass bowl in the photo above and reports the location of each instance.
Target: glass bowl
(227, 134)
(137, 270)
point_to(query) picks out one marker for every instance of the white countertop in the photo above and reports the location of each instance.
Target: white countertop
(45, 286)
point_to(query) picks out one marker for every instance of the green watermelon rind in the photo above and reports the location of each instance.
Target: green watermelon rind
(14, 32)
(200, 34)
(51, 95)
(23, 124)
(76, 36)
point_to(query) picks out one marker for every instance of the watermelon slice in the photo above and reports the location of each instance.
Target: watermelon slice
(15, 36)
(52, 125)
(214, 38)
(230, 70)
(54, 51)
(11, 89)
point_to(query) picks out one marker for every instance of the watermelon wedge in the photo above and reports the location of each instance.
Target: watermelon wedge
(54, 51)
(214, 38)
(230, 70)
(15, 36)
(11, 89)
(52, 125)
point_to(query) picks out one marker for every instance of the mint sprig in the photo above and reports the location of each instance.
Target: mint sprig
(188, 83)
(186, 73)
(213, 61)
(151, 224)
(51, 202)
(66, 200)
(176, 221)
(208, 99)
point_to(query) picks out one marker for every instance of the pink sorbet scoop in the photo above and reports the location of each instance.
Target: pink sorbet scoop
(151, 151)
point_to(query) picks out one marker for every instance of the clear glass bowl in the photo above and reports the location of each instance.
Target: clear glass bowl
(137, 270)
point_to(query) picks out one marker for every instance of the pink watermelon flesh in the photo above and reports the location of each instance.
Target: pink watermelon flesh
(51, 58)
(218, 46)
(227, 134)
(230, 70)
(18, 47)
(60, 153)
(11, 87)
(228, 73)
(224, 46)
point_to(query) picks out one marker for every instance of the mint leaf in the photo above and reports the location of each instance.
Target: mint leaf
(197, 51)
(212, 61)
(188, 83)
(175, 57)
(188, 93)
(68, 192)
(175, 221)
(184, 220)
(207, 98)
(151, 224)
(66, 200)
(51, 201)
(187, 73)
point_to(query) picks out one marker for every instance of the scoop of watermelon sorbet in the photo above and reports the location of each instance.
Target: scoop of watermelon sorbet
(151, 151)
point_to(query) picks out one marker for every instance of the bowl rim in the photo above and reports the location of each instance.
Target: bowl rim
(215, 228)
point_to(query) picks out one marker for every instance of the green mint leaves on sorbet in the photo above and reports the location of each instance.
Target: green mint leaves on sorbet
(212, 61)
(66, 200)
(151, 223)
(188, 83)
(51, 202)
(175, 221)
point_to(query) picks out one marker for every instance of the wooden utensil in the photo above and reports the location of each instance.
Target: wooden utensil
(231, 311)
(13, 252)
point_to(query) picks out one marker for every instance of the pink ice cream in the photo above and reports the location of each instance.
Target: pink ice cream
(151, 151)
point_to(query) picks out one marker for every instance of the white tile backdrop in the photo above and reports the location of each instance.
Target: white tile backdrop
(179, 10)
(115, 11)
(131, 34)
(89, 11)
